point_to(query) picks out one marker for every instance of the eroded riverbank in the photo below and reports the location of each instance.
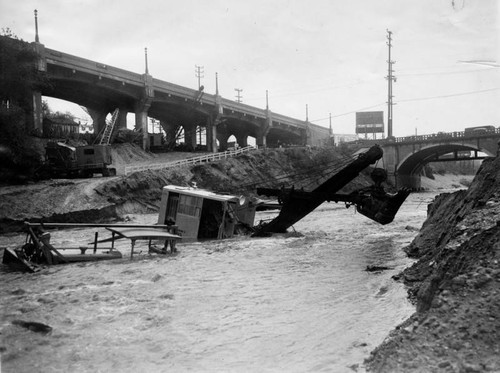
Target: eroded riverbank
(456, 286)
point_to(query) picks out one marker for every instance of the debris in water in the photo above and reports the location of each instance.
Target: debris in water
(34, 326)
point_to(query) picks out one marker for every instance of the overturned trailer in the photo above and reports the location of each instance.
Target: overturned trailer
(202, 214)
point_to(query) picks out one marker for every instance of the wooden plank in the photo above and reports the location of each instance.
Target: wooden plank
(95, 225)
(138, 233)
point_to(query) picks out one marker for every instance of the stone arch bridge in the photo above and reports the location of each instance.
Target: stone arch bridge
(405, 157)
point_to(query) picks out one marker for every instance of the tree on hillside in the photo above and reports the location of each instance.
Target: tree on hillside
(18, 73)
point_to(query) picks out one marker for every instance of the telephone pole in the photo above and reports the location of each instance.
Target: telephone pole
(390, 78)
(199, 74)
(238, 94)
(37, 39)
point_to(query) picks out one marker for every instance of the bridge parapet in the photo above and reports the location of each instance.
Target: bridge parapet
(243, 108)
(288, 120)
(81, 64)
(451, 136)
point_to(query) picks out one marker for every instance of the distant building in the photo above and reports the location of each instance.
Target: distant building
(60, 127)
(337, 138)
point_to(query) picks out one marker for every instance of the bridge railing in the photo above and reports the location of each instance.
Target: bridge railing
(440, 136)
(243, 108)
(82, 64)
(449, 135)
(189, 161)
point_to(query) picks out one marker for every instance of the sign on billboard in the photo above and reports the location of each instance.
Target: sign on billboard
(370, 122)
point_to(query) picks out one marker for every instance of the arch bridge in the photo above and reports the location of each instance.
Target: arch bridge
(405, 157)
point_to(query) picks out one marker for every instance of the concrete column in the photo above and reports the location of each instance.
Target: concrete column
(222, 137)
(211, 136)
(390, 162)
(213, 130)
(190, 136)
(98, 119)
(264, 130)
(308, 135)
(36, 121)
(121, 121)
(141, 110)
(141, 123)
(170, 133)
(242, 140)
(37, 124)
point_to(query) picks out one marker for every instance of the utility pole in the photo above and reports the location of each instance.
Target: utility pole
(37, 39)
(331, 131)
(238, 94)
(217, 83)
(199, 74)
(390, 78)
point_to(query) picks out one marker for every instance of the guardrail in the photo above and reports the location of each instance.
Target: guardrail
(441, 136)
(189, 161)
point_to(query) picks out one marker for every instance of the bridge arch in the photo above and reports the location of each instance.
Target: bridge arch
(409, 169)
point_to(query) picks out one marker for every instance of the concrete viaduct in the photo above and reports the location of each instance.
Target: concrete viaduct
(102, 89)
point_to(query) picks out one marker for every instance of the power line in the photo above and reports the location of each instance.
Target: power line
(448, 73)
(410, 100)
(451, 95)
(349, 112)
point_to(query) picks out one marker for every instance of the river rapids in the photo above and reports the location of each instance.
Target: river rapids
(296, 302)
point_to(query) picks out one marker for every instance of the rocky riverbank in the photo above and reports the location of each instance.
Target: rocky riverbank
(455, 285)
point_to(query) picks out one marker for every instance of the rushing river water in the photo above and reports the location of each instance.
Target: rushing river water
(287, 303)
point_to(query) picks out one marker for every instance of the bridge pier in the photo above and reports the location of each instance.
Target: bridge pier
(36, 121)
(142, 108)
(121, 121)
(222, 137)
(36, 106)
(98, 119)
(141, 123)
(190, 136)
(170, 133)
(242, 140)
(211, 135)
(264, 131)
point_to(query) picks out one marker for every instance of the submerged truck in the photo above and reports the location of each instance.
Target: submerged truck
(63, 160)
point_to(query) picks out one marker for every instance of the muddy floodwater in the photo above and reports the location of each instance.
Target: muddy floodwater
(286, 303)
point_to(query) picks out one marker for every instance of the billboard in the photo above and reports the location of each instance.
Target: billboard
(370, 122)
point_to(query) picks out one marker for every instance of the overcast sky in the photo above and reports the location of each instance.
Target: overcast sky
(328, 54)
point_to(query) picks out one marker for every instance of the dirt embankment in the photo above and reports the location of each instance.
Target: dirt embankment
(455, 284)
(105, 199)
